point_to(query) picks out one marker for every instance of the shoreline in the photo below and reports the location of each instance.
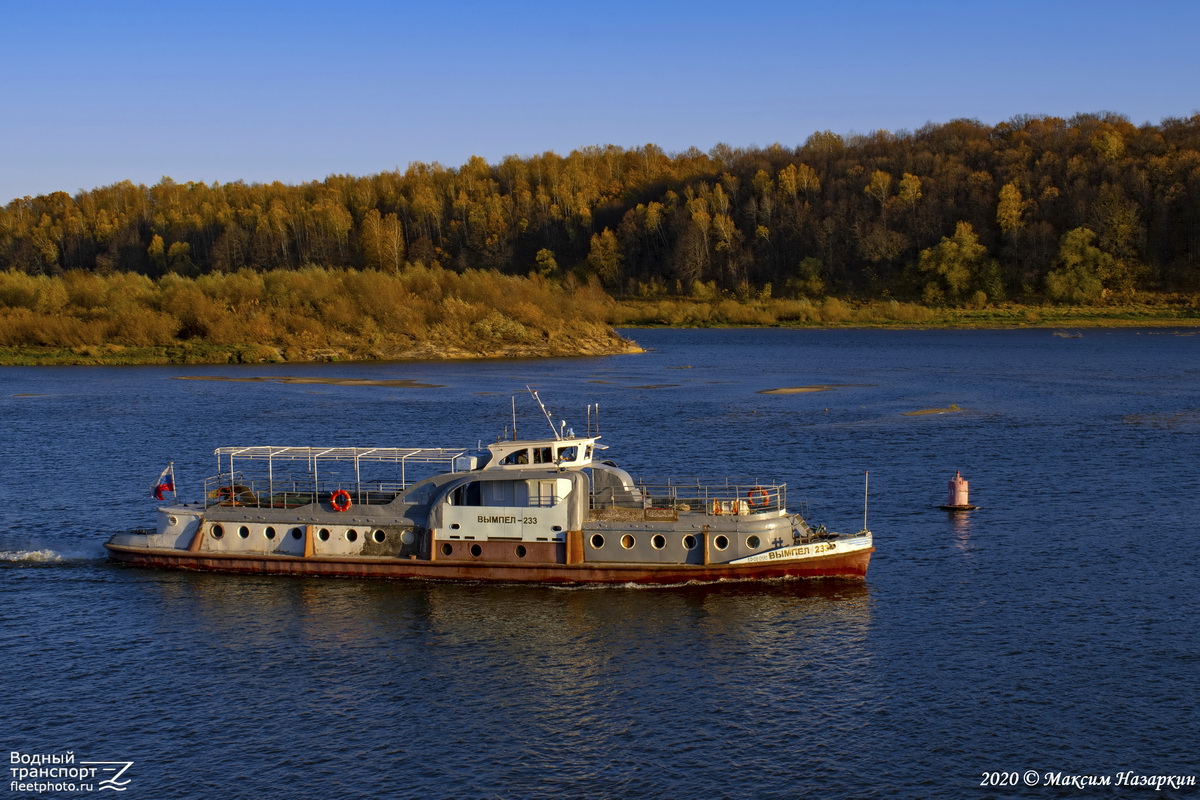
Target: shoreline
(198, 353)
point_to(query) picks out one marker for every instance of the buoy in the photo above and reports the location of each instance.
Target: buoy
(956, 499)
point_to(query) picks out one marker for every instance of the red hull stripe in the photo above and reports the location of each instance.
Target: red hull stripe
(842, 565)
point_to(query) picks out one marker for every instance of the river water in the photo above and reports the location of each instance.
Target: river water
(1049, 635)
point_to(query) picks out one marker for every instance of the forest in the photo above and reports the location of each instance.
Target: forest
(1085, 210)
(524, 257)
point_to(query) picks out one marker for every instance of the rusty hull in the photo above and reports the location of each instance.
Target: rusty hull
(851, 566)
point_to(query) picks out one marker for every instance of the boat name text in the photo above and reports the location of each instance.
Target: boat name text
(484, 520)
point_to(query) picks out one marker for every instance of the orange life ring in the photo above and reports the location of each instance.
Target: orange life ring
(758, 496)
(340, 500)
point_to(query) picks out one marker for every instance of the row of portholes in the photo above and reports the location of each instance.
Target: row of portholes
(658, 542)
(269, 533)
(476, 551)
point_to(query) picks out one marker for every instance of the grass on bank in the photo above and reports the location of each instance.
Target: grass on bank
(1148, 310)
(296, 315)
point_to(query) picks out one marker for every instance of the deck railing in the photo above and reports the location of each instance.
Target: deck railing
(258, 492)
(718, 497)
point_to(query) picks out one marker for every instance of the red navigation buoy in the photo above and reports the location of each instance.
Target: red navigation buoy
(957, 500)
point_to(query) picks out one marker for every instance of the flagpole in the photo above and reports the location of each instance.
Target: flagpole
(174, 493)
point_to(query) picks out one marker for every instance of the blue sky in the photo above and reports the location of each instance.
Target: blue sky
(95, 93)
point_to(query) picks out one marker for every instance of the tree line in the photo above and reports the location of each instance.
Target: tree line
(1075, 210)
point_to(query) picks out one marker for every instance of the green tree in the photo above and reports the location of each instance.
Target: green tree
(957, 260)
(1079, 276)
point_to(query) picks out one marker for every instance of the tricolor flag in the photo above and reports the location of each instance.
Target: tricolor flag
(165, 482)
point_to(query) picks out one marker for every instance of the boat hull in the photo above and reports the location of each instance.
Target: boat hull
(848, 565)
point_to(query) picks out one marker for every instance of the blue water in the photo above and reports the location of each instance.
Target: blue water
(1053, 630)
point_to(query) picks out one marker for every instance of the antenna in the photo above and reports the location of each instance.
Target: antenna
(514, 416)
(544, 411)
(589, 419)
(866, 486)
(597, 419)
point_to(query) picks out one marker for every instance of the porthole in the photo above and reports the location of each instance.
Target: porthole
(243, 532)
(721, 542)
(556, 528)
(297, 533)
(447, 549)
(217, 531)
(627, 541)
(689, 542)
(454, 526)
(658, 542)
(407, 537)
(521, 551)
(753, 542)
(269, 533)
(174, 520)
(323, 534)
(351, 536)
(476, 550)
(378, 536)
(597, 541)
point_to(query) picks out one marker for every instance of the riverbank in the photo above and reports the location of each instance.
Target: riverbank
(304, 315)
(1155, 311)
(600, 341)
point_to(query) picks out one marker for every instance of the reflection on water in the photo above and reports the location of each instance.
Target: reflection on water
(960, 525)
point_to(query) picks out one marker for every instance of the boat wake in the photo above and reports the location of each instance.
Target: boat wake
(48, 556)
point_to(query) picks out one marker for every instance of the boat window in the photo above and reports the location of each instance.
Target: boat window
(689, 542)
(516, 457)
(753, 542)
(627, 541)
(217, 531)
(721, 542)
(269, 532)
(352, 536)
(659, 541)
(568, 453)
(541, 455)
(379, 536)
(323, 534)
(467, 495)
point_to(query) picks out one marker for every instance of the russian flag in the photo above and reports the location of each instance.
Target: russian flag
(165, 482)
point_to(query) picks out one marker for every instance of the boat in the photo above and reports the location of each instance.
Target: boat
(545, 510)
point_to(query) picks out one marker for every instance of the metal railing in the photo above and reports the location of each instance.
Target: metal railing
(717, 497)
(258, 492)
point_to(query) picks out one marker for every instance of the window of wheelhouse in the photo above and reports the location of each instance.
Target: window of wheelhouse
(516, 457)
(568, 454)
(541, 455)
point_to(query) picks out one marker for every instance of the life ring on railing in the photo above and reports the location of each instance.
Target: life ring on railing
(340, 500)
(758, 497)
(716, 508)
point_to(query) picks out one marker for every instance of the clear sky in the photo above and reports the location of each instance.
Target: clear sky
(259, 90)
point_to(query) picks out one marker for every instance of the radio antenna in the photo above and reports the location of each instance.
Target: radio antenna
(542, 406)
(514, 416)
